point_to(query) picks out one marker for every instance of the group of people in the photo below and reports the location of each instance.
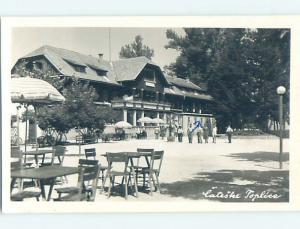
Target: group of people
(202, 133)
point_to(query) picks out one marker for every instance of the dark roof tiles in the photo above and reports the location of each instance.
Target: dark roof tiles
(116, 71)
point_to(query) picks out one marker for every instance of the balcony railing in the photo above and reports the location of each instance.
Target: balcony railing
(138, 104)
(147, 105)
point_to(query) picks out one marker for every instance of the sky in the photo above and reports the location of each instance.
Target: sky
(92, 41)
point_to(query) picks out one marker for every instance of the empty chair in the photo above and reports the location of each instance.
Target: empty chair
(20, 196)
(154, 170)
(17, 154)
(141, 164)
(119, 160)
(90, 153)
(88, 173)
(57, 157)
(17, 165)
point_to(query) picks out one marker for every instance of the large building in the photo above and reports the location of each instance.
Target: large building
(137, 86)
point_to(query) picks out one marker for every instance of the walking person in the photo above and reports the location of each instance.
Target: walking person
(199, 134)
(205, 134)
(229, 131)
(156, 132)
(163, 131)
(179, 133)
(190, 133)
(214, 134)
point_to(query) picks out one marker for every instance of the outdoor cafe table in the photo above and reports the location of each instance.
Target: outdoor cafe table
(37, 153)
(44, 175)
(132, 155)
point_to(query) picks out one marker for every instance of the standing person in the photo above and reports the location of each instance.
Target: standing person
(199, 134)
(190, 133)
(156, 132)
(205, 134)
(229, 131)
(180, 133)
(214, 134)
(163, 132)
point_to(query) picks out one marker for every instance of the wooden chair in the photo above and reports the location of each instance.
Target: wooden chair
(79, 139)
(120, 159)
(17, 165)
(57, 157)
(88, 173)
(90, 153)
(154, 170)
(138, 167)
(20, 196)
(16, 152)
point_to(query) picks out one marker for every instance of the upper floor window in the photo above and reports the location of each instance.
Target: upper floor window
(99, 71)
(38, 65)
(76, 66)
(149, 75)
(29, 66)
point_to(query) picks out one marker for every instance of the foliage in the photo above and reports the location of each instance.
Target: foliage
(136, 49)
(241, 67)
(78, 111)
(27, 115)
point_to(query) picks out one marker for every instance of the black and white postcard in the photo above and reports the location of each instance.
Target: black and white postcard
(150, 114)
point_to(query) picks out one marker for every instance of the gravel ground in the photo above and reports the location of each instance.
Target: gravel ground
(246, 170)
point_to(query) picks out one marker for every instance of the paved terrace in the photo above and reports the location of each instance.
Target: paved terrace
(191, 170)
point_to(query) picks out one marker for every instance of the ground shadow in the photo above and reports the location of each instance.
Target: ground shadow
(215, 185)
(260, 156)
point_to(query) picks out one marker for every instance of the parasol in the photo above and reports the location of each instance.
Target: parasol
(123, 124)
(31, 91)
(146, 120)
(158, 121)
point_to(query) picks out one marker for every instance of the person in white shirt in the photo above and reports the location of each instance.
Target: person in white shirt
(229, 131)
(199, 134)
(179, 133)
(214, 134)
(190, 133)
(156, 132)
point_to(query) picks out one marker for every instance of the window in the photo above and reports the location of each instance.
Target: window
(149, 75)
(38, 65)
(100, 73)
(98, 70)
(76, 66)
(29, 66)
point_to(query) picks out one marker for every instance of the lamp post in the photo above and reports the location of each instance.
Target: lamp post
(280, 91)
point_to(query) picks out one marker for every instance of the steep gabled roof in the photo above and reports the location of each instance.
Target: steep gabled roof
(183, 83)
(174, 90)
(129, 69)
(61, 59)
(116, 71)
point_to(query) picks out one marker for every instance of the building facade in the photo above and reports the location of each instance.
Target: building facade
(137, 86)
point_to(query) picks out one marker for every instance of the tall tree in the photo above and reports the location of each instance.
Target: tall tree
(136, 49)
(242, 68)
(78, 111)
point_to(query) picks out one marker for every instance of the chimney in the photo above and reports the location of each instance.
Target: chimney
(100, 55)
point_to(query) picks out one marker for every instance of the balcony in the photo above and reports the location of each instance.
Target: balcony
(140, 105)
